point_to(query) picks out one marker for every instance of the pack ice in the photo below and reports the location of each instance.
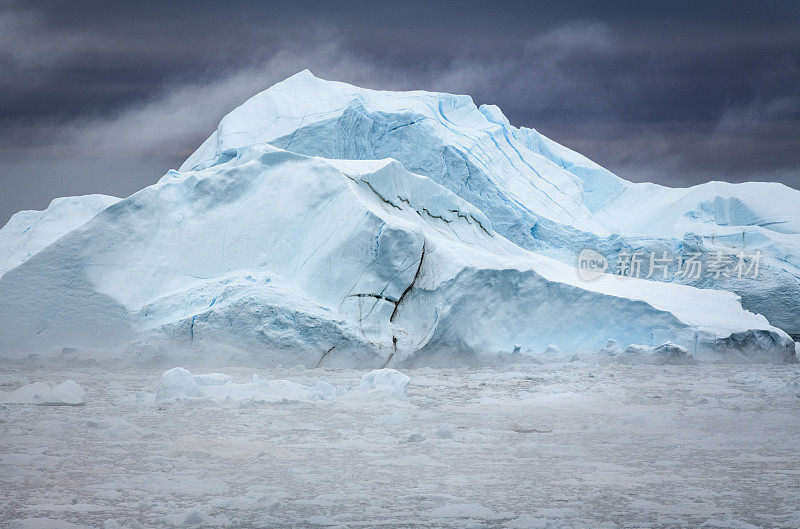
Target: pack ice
(328, 225)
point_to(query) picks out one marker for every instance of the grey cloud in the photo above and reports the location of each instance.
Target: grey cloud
(776, 98)
(678, 154)
(27, 44)
(181, 115)
(574, 37)
(107, 97)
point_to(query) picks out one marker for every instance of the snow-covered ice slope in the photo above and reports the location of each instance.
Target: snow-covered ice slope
(27, 232)
(338, 262)
(537, 193)
(439, 135)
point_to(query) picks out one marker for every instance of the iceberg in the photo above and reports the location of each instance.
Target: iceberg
(538, 194)
(329, 226)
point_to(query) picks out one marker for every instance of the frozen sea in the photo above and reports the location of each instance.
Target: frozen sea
(526, 446)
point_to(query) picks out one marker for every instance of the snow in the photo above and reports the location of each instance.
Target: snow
(67, 393)
(324, 225)
(554, 445)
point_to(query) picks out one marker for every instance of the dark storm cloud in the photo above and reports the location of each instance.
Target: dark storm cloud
(105, 97)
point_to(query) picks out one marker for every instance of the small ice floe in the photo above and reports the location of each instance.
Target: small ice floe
(444, 431)
(389, 381)
(195, 518)
(554, 355)
(665, 354)
(115, 427)
(464, 510)
(213, 379)
(553, 351)
(179, 383)
(611, 349)
(68, 393)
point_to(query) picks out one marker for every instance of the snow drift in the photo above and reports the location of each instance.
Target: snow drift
(255, 250)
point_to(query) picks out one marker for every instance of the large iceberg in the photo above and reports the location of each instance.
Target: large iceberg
(537, 193)
(328, 225)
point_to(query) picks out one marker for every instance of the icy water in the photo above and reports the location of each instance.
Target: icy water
(525, 446)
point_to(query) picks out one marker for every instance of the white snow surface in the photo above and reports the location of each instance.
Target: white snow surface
(254, 251)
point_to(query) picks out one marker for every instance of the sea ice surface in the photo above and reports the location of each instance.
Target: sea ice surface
(550, 445)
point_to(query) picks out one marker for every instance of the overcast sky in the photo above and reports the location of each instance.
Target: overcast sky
(105, 97)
